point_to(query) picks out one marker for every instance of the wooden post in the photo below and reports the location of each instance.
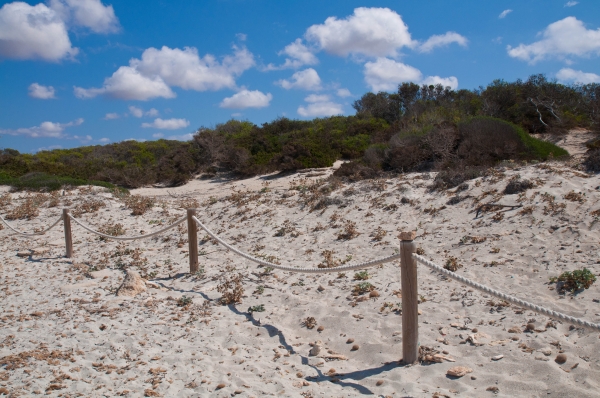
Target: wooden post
(68, 238)
(192, 240)
(410, 320)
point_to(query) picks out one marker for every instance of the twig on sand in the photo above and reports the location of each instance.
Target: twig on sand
(491, 206)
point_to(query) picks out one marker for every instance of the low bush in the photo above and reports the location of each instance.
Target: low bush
(574, 280)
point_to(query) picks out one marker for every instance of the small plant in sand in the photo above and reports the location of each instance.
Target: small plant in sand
(349, 232)
(420, 251)
(452, 264)
(88, 206)
(5, 200)
(575, 197)
(231, 290)
(498, 217)
(495, 250)
(111, 229)
(309, 322)
(526, 210)
(574, 280)
(257, 308)
(552, 207)
(329, 261)
(184, 301)
(361, 276)
(362, 288)
(188, 203)
(259, 290)
(139, 204)
(379, 234)
(287, 228)
(26, 210)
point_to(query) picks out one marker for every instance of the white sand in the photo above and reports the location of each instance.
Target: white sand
(75, 337)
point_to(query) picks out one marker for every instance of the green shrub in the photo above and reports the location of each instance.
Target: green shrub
(574, 280)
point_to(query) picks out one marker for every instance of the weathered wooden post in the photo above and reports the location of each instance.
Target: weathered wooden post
(192, 240)
(410, 310)
(68, 238)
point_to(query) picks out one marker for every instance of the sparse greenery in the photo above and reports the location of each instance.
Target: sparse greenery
(574, 280)
(257, 308)
(361, 276)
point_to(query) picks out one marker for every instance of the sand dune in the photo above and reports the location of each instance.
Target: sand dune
(64, 332)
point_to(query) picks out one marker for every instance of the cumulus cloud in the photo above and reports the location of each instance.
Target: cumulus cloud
(111, 116)
(504, 13)
(320, 105)
(91, 14)
(41, 92)
(298, 55)
(127, 83)
(567, 37)
(577, 76)
(247, 99)
(385, 74)
(443, 40)
(41, 31)
(135, 111)
(44, 130)
(33, 32)
(343, 92)
(571, 3)
(307, 79)
(104, 140)
(152, 112)
(153, 75)
(167, 124)
(369, 31)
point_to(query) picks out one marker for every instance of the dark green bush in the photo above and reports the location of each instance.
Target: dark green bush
(574, 280)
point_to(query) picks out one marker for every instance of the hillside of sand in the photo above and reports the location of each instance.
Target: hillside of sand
(64, 331)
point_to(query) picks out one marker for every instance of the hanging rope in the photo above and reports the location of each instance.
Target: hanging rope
(503, 296)
(247, 256)
(31, 234)
(128, 237)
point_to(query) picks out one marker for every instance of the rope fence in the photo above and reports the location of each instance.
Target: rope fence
(408, 266)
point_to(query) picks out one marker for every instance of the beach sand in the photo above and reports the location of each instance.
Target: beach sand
(64, 332)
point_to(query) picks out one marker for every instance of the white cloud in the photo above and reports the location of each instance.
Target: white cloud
(182, 137)
(152, 112)
(111, 116)
(241, 36)
(307, 79)
(104, 140)
(451, 81)
(247, 99)
(577, 76)
(504, 13)
(567, 37)
(317, 98)
(324, 109)
(167, 124)
(299, 55)
(41, 92)
(128, 83)
(91, 14)
(343, 92)
(369, 31)
(49, 148)
(443, 40)
(386, 74)
(33, 32)
(135, 111)
(44, 130)
(571, 3)
(158, 135)
(157, 70)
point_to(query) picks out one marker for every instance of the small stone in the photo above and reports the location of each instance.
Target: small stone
(330, 372)
(458, 371)
(474, 330)
(132, 285)
(379, 382)
(530, 327)
(102, 327)
(473, 377)
(515, 338)
(445, 352)
(493, 389)
(350, 341)
(497, 357)
(320, 288)
(237, 392)
(515, 329)
(355, 347)
(221, 385)
(320, 328)
(547, 352)
(560, 359)
(374, 293)
(299, 375)
(23, 254)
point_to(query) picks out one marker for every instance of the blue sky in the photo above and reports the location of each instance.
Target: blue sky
(88, 72)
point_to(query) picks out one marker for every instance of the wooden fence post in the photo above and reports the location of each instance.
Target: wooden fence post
(192, 240)
(410, 320)
(68, 237)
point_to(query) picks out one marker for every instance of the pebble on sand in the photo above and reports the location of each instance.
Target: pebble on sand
(561, 358)
(132, 285)
(458, 371)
